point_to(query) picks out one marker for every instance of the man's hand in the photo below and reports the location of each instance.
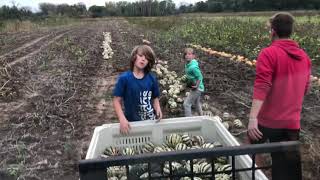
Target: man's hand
(253, 131)
(124, 126)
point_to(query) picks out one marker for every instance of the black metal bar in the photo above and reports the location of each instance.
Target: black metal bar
(95, 168)
(244, 169)
(253, 166)
(213, 169)
(103, 176)
(127, 171)
(149, 171)
(191, 168)
(93, 174)
(233, 163)
(209, 173)
(191, 154)
(170, 169)
(197, 174)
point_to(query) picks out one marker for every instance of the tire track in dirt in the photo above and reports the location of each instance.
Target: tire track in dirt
(24, 46)
(62, 146)
(30, 48)
(101, 92)
(69, 99)
(121, 47)
(7, 108)
(10, 41)
(104, 85)
(45, 44)
(80, 116)
(122, 44)
(5, 111)
(44, 84)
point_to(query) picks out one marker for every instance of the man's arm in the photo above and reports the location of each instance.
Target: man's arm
(262, 86)
(308, 84)
(253, 130)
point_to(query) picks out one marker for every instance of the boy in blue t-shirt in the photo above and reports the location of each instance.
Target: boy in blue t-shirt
(138, 89)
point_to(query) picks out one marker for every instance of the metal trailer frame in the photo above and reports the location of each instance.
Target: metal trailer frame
(95, 169)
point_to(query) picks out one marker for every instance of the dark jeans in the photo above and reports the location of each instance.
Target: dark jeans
(285, 165)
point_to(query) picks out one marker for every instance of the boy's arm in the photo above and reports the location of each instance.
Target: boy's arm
(197, 85)
(124, 124)
(197, 73)
(118, 109)
(118, 93)
(155, 96)
(157, 108)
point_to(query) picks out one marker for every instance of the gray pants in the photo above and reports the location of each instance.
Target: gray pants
(192, 99)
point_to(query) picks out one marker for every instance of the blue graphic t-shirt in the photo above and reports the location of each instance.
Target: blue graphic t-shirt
(137, 95)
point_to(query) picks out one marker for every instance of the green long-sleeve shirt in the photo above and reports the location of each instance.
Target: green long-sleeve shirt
(193, 73)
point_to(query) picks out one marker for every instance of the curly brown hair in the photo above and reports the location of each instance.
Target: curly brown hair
(147, 52)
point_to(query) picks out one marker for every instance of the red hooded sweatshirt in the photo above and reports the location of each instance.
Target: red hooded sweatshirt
(282, 79)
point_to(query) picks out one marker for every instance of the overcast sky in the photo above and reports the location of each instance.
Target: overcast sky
(34, 3)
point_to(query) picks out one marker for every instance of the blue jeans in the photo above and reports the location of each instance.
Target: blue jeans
(192, 99)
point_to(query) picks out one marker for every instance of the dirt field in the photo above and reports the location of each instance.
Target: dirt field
(55, 87)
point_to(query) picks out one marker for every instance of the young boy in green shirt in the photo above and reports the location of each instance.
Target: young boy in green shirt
(194, 81)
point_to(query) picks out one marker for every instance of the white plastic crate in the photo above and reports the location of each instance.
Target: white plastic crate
(144, 131)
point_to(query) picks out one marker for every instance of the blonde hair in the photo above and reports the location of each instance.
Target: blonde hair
(147, 52)
(186, 50)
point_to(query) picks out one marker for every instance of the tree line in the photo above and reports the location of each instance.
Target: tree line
(153, 8)
(138, 8)
(250, 5)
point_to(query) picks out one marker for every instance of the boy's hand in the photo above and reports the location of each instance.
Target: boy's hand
(124, 126)
(158, 114)
(194, 87)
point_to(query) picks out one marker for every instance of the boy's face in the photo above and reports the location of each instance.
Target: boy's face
(141, 61)
(189, 56)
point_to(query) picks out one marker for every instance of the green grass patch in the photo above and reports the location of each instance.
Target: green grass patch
(36, 23)
(243, 35)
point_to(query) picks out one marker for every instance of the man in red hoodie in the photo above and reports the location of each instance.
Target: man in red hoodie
(282, 79)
